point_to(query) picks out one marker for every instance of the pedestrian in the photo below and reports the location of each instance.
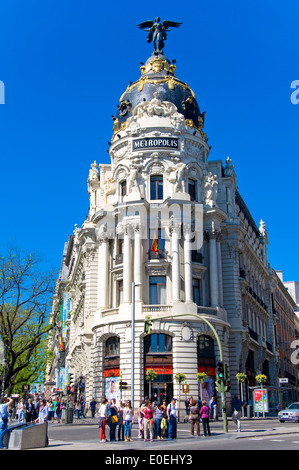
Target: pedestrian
(113, 419)
(120, 414)
(63, 409)
(5, 405)
(205, 417)
(237, 406)
(128, 417)
(103, 419)
(78, 409)
(187, 408)
(93, 405)
(140, 422)
(50, 406)
(58, 411)
(148, 421)
(82, 407)
(21, 409)
(159, 414)
(164, 423)
(194, 418)
(171, 416)
(43, 414)
(35, 411)
(29, 411)
(213, 408)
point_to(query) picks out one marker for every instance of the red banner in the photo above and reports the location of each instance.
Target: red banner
(112, 372)
(208, 370)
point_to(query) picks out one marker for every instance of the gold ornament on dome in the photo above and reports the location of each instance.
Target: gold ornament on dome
(157, 65)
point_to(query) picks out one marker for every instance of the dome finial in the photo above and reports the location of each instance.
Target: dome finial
(157, 31)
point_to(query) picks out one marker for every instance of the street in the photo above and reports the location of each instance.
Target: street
(256, 434)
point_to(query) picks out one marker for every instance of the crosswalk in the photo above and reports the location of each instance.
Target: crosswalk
(272, 440)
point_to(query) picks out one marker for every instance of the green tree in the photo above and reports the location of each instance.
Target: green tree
(25, 304)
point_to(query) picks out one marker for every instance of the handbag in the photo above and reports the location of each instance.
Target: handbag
(152, 421)
(114, 419)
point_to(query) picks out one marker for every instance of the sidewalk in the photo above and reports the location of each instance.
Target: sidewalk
(271, 427)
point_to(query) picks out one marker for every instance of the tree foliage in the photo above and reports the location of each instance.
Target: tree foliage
(25, 305)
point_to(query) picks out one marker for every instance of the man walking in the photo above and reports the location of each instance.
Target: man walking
(237, 406)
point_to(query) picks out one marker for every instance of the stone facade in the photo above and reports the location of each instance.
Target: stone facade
(160, 191)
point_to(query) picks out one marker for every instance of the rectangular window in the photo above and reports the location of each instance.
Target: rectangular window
(196, 290)
(123, 188)
(192, 189)
(157, 290)
(156, 188)
(120, 292)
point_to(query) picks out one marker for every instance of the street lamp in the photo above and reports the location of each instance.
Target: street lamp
(134, 284)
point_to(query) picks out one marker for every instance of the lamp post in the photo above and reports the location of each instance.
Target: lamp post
(134, 284)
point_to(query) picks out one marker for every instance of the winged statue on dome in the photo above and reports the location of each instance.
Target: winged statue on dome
(157, 31)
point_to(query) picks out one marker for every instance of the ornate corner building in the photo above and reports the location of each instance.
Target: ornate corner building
(164, 217)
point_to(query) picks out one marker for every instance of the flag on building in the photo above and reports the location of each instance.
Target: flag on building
(155, 246)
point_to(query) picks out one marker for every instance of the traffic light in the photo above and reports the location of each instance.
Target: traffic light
(71, 379)
(68, 389)
(220, 370)
(147, 324)
(227, 385)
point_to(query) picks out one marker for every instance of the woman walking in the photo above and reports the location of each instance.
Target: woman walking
(194, 418)
(103, 419)
(128, 420)
(204, 414)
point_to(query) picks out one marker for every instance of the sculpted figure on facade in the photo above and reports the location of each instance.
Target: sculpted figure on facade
(229, 168)
(262, 228)
(176, 176)
(93, 172)
(109, 188)
(210, 190)
(155, 107)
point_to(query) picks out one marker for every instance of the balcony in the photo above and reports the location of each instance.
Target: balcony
(161, 254)
(149, 309)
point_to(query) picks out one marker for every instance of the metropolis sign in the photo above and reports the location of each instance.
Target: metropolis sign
(156, 142)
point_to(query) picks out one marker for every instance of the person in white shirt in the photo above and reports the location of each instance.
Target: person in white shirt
(5, 404)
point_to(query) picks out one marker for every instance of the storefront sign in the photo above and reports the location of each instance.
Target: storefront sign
(155, 142)
(160, 370)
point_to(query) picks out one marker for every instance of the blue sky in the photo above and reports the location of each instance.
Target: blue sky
(65, 65)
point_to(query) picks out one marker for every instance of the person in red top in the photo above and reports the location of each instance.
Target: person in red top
(205, 414)
(148, 420)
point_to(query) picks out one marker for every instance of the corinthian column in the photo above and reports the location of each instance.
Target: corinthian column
(175, 231)
(137, 261)
(103, 278)
(127, 279)
(213, 268)
(188, 263)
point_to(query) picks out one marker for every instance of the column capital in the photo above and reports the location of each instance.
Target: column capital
(174, 226)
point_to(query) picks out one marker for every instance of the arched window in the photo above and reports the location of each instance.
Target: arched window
(158, 343)
(112, 347)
